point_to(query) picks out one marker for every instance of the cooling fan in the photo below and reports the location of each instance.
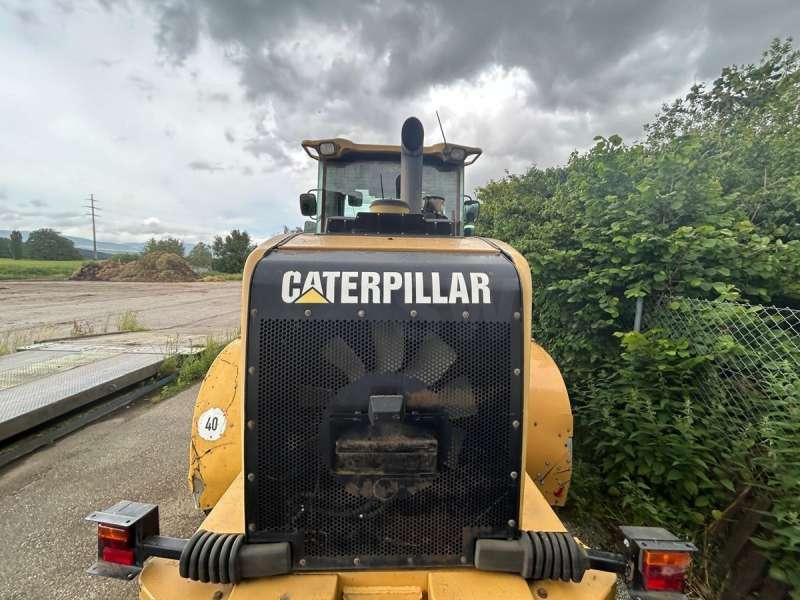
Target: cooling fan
(401, 452)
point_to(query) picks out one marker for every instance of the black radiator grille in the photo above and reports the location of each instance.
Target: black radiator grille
(296, 495)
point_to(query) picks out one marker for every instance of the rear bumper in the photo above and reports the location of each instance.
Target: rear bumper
(160, 580)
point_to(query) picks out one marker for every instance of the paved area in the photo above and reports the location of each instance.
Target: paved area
(100, 352)
(31, 403)
(138, 454)
(44, 310)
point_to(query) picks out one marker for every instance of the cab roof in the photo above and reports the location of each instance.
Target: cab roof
(344, 149)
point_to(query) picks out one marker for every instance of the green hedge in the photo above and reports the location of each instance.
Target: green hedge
(706, 206)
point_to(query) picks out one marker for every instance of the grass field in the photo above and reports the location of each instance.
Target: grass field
(37, 269)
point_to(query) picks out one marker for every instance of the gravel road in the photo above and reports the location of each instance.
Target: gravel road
(140, 454)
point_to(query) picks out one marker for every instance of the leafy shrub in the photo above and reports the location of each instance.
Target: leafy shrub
(125, 257)
(169, 245)
(708, 206)
(192, 368)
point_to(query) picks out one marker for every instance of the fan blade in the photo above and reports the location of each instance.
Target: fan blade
(313, 396)
(342, 356)
(389, 347)
(456, 397)
(432, 360)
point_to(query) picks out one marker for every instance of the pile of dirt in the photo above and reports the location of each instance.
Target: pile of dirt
(154, 266)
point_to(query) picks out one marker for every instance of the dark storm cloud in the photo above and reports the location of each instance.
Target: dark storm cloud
(416, 45)
(352, 67)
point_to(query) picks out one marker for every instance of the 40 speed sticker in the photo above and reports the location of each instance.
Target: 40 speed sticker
(211, 424)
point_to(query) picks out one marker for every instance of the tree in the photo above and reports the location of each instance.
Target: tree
(169, 244)
(47, 244)
(200, 256)
(231, 253)
(5, 248)
(16, 245)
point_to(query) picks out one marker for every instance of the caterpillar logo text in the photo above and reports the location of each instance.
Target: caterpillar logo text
(372, 287)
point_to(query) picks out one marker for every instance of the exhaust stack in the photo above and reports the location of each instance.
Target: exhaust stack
(412, 137)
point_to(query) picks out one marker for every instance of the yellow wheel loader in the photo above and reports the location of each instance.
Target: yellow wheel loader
(385, 428)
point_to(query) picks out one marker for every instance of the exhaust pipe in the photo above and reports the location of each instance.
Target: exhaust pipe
(412, 137)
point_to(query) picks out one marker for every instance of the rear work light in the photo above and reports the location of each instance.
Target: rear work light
(660, 560)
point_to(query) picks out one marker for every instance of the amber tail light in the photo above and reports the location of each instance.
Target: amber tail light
(660, 561)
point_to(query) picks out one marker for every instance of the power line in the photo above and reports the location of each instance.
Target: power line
(93, 210)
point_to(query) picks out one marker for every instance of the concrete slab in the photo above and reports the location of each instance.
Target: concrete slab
(35, 402)
(24, 367)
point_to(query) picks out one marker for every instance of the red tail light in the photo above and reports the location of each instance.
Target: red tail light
(660, 561)
(120, 556)
(115, 544)
(121, 532)
(664, 571)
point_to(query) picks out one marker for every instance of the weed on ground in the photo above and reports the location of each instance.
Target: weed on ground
(190, 368)
(129, 321)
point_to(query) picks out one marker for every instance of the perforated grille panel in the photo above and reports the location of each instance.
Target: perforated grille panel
(308, 368)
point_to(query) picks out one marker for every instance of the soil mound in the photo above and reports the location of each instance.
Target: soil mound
(154, 266)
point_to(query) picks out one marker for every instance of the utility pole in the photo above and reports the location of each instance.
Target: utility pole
(92, 211)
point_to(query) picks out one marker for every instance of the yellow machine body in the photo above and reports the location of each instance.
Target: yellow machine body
(160, 579)
(215, 466)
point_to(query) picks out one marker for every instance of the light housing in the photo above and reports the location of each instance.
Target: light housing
(660, 562)
(327, 148)
(114, 544)
(121, 529)
(457, 154)
(665, 571)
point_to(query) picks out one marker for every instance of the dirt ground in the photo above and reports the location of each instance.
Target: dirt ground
(42, 310)
(138, 454)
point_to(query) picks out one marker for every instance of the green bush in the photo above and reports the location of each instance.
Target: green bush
(191, 368)
(707, 206)
(47, 244)
(125, 257)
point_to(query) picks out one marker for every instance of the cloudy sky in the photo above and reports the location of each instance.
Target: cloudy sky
(183, 118)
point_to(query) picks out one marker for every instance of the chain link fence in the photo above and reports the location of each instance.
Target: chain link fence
(752, 386)
(757, 351)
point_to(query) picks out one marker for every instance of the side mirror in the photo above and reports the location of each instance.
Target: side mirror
(310, 227)
(355, 199)
(308, 204)
(472, 209)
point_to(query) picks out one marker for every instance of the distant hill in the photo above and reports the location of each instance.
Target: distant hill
(86, 243)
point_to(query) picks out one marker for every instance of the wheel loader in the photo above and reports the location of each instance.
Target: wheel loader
(385, 428)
